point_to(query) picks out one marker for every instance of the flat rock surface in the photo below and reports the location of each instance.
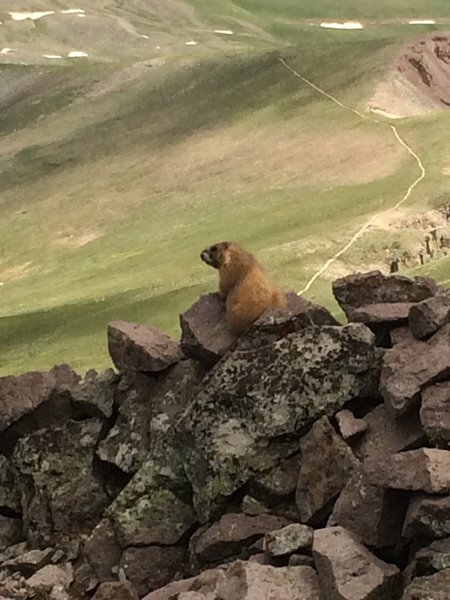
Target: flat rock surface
(429, 315)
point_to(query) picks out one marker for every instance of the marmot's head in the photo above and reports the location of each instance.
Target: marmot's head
(214, 256)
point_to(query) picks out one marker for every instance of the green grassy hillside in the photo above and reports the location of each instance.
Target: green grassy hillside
(114, 174)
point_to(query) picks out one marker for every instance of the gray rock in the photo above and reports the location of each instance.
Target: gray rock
(204, 332)
(349, 425)
(348, 571)
(140, 348)
(432, 558)
(94, 397)
(426, 469)
(29, 562)
(280, 482)
(231, 534)
(373, 513)
(288, 540)
(427, 516)
(11, 532)
(54, 468)
(22, 394)
(301, 560)
(128, 441)
(387, 435)
(434, 587)
(102, 551)
(429, 315)
(9, 493)
(435, 413)
(252, 399)
(408, 369)
(394, 313)
(362, 289)
(50, 576)
(148, 511)
(152, 567)
(326, 465)
(245, 581)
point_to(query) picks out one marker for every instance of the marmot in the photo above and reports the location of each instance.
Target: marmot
(243, 283)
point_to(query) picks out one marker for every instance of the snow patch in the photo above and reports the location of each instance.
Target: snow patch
(385, 113)
(145, 37)
(77, 54)
(424, 22)
(21, 16)
(191, 43)
(81, 16)
(6, 50)
(73, 11)
(51, 56)
(346, 25)
(224, 31)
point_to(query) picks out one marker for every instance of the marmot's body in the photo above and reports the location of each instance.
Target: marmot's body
(243, 283)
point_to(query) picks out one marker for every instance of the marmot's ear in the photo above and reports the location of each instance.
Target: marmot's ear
(227, 244)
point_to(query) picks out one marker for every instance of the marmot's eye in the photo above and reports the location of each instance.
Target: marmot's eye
(213, 248)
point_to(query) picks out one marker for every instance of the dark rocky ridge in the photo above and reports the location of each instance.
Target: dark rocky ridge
(306, 460)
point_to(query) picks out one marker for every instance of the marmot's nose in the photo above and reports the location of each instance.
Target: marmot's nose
(203, 255)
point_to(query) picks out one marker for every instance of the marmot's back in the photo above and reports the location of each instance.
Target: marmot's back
(244, 284)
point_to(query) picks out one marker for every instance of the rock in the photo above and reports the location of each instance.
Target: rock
(128, 441)
(394, 313)
(50, 576)
(148, 511)
(288, 540)
(348, 571)
(362, 289)
(245, 581)
(234, 427)
(9, 493)
(29, 562)
(373, 513)
(349, 425)
(434, 587)
(94, 397)
(204, 332)
(54, 468)
(426, 469)
(387, 435)
(401, 335)
(432, 558)
(427, 516)
(13, 551)
(408, 369)
(141, 348)
(231, 534)
(152, 567)
(280, 482)
(115, 590)
(435, 413)
(253, 507)
(326, 465)
(11, 532)
(429, 315)
(22, 394)
(102, 550)
(85, 581)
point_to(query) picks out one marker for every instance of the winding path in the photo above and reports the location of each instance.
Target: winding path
(400, 140)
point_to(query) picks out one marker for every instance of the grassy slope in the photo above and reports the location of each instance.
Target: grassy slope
(227, 146)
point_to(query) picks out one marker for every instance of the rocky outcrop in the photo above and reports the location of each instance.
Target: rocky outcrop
(304, 460)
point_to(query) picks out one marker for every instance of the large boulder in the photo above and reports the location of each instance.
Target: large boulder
(154, 507)
(205, 335)
(245, 581)
(326, 464)
(348, 571)
(255, 398)
(373, 513)
(435, 413)
(428, 516)
(429, 315)
(22, 394)
(61, 495)
(426, 469)
(363, 289)
(231, 534)
(410, 367)
(141, 348)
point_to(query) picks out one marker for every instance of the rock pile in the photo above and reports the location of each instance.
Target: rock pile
(306, 460)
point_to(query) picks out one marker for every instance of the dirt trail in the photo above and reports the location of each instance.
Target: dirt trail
(408, 193)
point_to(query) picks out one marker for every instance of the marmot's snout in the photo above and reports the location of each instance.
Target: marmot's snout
(205, 256)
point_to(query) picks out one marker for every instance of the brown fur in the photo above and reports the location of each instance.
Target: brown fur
(243, 283)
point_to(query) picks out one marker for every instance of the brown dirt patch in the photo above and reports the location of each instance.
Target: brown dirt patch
(14, 272)
(76, 239)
